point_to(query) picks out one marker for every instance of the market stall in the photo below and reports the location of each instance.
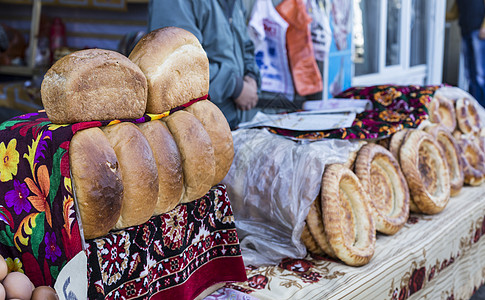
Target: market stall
(434, 254)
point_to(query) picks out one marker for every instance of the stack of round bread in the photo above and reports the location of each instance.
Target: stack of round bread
(421, 159)
(341, 223)
(468, 142)
(419, 171)
(125, 173)
(451, 151)
(381, 177)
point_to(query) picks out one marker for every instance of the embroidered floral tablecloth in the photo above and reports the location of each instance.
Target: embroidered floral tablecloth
(39, 229)
(432, 257)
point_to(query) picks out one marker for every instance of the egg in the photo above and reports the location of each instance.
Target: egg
(3, 268)
(17, 286)
(2, 292)
(44, 293)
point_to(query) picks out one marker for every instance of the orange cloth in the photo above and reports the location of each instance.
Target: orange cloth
(306, 75)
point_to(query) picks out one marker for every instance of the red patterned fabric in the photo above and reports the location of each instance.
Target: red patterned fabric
(176, 255)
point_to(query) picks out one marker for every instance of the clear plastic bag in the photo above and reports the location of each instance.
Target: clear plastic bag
(271, 184)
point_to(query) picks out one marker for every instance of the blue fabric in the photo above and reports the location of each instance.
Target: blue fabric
(221, 31)
(474, 52)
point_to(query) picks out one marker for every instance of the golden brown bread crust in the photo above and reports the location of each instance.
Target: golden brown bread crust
(347, 219)
(452, 156)
(423, 165)
(96, 179)
(220, 134)
(473, 160)
(175, 65)
(138, 171)
(467, 116)
(314, 222)
(169, 164)
(381, 177)
(309, 242)
(433, 107)
(197, 153)
(396, 142)
(94, 84)
(445, 114)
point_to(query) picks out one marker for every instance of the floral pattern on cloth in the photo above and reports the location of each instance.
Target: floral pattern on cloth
(394, 108)
(290, 272)
(39, 230)
(419, 275)
(172, 256)
(421, 272)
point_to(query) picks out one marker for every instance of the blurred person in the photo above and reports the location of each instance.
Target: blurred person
(471, 18)
(220, 26)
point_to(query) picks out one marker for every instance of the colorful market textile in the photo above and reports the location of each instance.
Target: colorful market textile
(39, 230)
(172, 256)
(394, 107)
(431, 257)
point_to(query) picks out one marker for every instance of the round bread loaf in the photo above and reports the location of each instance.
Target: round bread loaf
(175, 65)
(433, 107)
(423, 164)
(347, 218)
(198, 162)
(396, 142)
(138, 171)
(314, 222)
(96, 179)
(473, 160)
(467, 116)
(445, 114)
(220, 134)
(94, 84)
(381, 177)
(169, 165)
(452, 156)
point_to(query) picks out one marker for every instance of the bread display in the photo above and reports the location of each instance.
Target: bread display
(138, 171)
(381, 176)
(452, 156)
(347, 218)
(219, 132)
(198, 161)
(169, 164)
(94, 84)
(444, 113)
(175, 65)
(96, 179)
(423, 165)
(473, 160)
(149, 168)
(467, 117)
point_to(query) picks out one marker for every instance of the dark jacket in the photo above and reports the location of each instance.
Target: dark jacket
(471, 15)
(220, 26)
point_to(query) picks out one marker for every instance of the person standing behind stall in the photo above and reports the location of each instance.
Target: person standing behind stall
(220, 26)
(471, 18)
